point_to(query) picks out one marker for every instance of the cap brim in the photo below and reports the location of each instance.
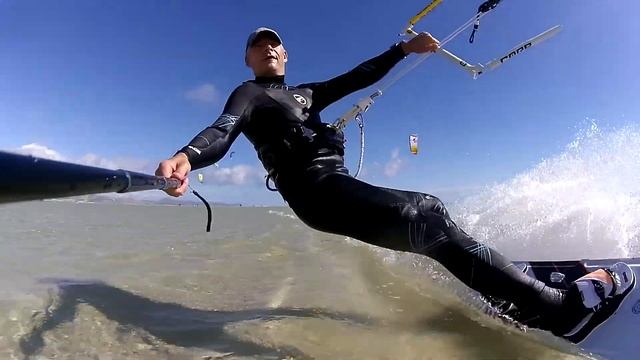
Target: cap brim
(265, 34)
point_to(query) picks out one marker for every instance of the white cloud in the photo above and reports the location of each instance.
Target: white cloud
(205, 93)
(40, 151)
(394, 165)
(236, 175)
(94, 160)
(139, 165)
(88, 159)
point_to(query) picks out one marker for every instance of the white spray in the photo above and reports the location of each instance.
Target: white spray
(583, 203)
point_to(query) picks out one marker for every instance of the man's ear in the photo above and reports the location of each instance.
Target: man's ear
(286, 56)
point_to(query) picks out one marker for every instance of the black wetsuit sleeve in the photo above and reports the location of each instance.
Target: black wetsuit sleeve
(212, 143)
(366, 74)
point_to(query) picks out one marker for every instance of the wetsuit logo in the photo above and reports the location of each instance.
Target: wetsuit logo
(300, 99)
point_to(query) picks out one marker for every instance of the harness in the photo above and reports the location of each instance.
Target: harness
(296, 150)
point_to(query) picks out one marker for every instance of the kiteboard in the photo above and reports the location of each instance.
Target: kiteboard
(611, 339)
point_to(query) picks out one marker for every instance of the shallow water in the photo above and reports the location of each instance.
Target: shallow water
(137, 282)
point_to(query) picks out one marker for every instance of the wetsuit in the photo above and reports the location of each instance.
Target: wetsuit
(304, 156)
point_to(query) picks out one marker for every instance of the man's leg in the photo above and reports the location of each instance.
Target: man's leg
(419, 223)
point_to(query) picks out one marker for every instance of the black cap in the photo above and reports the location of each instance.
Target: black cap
(254, 35)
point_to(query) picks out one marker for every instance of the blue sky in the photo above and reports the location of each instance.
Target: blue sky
(126, 84)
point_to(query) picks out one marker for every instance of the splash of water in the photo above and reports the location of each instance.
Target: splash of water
(582, 203)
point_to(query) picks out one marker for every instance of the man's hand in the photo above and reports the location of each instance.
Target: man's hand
(177, 167)
(420, 43)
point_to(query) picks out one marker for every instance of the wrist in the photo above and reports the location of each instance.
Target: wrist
(403, 47)
(181, 154)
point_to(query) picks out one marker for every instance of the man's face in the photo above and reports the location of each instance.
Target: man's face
(266, 56)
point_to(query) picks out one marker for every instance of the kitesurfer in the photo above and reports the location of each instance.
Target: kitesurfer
(304, 158)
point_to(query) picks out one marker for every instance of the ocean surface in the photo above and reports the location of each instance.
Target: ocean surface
(113, 281)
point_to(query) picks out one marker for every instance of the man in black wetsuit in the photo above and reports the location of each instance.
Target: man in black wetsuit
(304, 157)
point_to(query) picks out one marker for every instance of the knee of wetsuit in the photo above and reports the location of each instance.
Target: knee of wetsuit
(431, 211)
(422, 207)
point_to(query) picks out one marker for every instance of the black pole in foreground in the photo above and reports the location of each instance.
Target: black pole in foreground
(25, 178)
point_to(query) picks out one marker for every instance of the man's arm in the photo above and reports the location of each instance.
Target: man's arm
(369, 72)
(363, 75)
(212, 143)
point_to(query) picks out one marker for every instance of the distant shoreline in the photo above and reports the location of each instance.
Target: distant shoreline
(101, 199)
